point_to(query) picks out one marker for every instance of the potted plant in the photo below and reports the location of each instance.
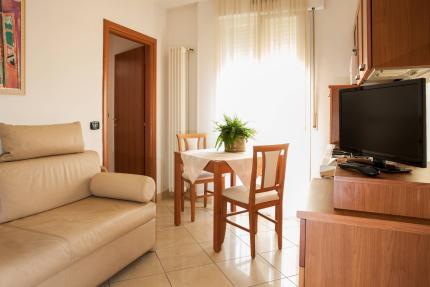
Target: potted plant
(234, 133)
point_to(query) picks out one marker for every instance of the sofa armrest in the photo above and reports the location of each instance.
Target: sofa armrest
(123, 186)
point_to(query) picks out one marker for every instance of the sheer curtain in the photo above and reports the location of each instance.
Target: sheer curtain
(262, 75)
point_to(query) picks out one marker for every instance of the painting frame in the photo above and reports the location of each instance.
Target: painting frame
(19, 91)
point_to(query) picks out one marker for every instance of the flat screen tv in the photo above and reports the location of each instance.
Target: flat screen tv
(386, 122)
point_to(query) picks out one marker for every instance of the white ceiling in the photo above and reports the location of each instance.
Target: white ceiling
(175, 3)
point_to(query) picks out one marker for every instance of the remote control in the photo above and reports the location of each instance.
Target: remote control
(362, 168)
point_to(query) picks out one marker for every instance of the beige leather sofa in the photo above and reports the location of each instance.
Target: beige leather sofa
(62, 222)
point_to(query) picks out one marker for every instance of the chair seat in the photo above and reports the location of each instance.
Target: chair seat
(204, 175)
(241, 194)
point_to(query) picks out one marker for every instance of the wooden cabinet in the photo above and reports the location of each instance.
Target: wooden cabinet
(334, 111)
(346, 248)
(403, 194)
(391, 39)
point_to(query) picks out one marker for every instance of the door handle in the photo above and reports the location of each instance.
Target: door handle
(362, 67)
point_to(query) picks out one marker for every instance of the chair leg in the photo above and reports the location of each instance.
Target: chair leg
(205, 198)
(224, 220)
(193, 201)
(182, 195)
(252, 232)
(232, 183)
(255, 222)
(232, 207)
(278, 211)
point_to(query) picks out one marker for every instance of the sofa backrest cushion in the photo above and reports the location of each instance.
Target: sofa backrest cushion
(31, 186)
(24, 142)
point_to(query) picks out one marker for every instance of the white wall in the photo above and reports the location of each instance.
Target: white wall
(182, 31)
(117, 45)
(334, 28)
(64, 44)
(206, 67)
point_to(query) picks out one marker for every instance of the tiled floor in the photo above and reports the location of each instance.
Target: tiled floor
(184, 256)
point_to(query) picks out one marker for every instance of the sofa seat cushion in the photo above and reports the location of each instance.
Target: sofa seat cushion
(90, 223)
(27, 258)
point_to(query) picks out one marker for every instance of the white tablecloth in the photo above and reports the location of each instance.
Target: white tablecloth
(195, 161)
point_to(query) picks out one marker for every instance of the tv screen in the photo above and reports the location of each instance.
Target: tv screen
(385, 121)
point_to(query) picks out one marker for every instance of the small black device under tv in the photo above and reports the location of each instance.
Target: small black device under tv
(385, 122)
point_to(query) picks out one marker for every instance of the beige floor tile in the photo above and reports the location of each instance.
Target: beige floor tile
(173, 237)
(199, 208)
(159, 280)
(266, 241)
(164, 222)
(292, 234)
(164, 210)
(232, 248)
(169, 202)
(203, 232)
(145, 265)
(294, 279)
(243, 220)
(186, 256)
(207, 276)
(291, 222)
(248, 271)
(278, 283)
(202, 216)
(285, 260)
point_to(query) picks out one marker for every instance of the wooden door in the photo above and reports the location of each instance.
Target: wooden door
(130, 111)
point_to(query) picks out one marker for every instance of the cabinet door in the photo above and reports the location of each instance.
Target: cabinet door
(366, 50)
(400, 33)
(358, 43)
(360, 34)
(366, 254)
(354, 70)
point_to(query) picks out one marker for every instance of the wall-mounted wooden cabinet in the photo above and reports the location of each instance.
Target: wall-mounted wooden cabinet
(391, 39)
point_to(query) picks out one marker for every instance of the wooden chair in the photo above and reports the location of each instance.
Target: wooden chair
(266, 193)
(192, 142)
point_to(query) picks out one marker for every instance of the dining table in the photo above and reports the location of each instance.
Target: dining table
(194, 162)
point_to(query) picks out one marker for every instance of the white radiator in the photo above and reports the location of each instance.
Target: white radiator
(178, 103)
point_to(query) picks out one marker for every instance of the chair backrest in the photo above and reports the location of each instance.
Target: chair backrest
(191, 141)
(272, 174)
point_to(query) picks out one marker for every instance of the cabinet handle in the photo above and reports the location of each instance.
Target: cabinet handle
(362, 67)
(357, 77)
(355, 51)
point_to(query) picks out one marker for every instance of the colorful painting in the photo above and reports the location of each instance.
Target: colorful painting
(12, 47)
